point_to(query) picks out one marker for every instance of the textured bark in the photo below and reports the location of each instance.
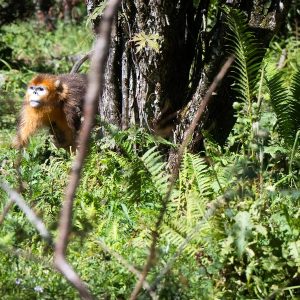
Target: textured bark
(11, 10)
(158, 90)
(146, 88)
(109, 106)
(265, 17)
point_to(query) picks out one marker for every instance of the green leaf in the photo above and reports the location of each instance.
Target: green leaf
(248, 56)
(153, 162)
(286, 105)
(294, 250)
(242, 229)
(97, 12)
(143, 40)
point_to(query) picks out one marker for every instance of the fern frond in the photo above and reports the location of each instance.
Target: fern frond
(199, 170)
(194, 189)
(286, 106)
(176, 233)
(295, 89)
(248, 56)
(154, 164)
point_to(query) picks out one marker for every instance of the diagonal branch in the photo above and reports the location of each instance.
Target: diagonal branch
(187, 137)
(95, 89)
(30, 214)
(128, 266)
(5, 211)
(79, 63)
(19, 190)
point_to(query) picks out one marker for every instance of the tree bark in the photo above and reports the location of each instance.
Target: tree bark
(161, 90)
(264, 18)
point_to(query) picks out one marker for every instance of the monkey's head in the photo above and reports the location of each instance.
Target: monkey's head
(42, 90)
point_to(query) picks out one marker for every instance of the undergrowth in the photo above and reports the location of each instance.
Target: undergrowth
(247, 247)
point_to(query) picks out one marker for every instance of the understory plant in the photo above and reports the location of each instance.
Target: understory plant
(231, 227)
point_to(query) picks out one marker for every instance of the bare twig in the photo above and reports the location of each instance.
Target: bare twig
(187, 137)
(128, 266)
(31, 216)
(78, 64)
(19, 190)
(95, 89)
(5, 211)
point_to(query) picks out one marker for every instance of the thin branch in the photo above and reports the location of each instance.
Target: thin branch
(5, 211)
(128, 266)
(80, 62)
(31, 216)
(19, 190)
(95, 89)
(187, 137)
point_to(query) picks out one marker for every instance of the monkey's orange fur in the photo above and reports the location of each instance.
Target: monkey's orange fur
(59, 108)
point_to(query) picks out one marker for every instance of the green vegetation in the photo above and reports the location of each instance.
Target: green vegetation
(248, 248)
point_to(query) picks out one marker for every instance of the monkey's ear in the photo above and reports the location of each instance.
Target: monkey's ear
(57, 83)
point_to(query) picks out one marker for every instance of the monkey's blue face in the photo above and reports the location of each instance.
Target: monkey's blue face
(35, 95)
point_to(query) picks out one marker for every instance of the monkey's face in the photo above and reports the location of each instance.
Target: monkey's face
(36, 94)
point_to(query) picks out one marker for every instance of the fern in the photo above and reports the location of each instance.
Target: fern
(97, 12)
(188, 203)
(286, 105)
(198, 169)
(176, 233)
(154, 164)
(248, 56)
(194, 188)
(295, 89)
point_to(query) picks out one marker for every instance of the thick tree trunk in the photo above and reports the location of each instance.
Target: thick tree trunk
(161, 90)
(145, 88)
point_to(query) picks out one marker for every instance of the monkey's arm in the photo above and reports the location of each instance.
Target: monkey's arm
(26, 128)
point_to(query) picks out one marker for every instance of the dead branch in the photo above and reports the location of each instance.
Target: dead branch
(187, 137)
(19, 190)
(95, 89)
(80, 62)
(128, 266)
(31, 216)
(5, 211)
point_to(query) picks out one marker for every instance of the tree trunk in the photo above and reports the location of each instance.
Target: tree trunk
(264, 18)
(161, 89)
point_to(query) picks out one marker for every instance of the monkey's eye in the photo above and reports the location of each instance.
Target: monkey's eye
(31, 87)
(40, 89)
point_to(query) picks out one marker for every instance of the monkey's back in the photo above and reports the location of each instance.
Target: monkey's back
(73, 91)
